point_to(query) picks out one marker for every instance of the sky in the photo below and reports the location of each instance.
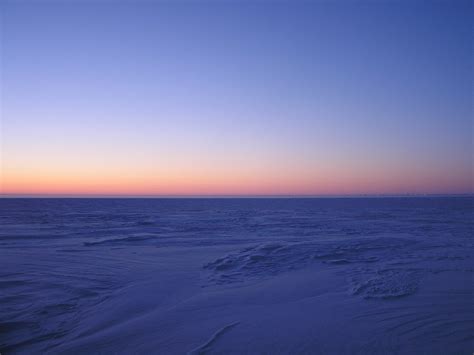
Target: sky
(236, 97)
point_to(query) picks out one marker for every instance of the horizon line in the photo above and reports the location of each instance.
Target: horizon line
(242, 196)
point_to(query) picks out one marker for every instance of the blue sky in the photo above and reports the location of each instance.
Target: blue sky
(234, 97)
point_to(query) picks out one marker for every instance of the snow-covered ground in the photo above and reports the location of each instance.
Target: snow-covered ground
(273, 276)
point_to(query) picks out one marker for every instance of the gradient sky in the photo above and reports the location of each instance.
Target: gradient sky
(234, 97)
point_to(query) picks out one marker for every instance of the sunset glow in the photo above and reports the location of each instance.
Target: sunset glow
(323, 98)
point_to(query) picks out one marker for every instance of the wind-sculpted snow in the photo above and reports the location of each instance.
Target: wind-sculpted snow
(383, 267)
(365, 261)
(205, 347)
(137, 275)
(385, 283)
(121, 240)
(273, 258)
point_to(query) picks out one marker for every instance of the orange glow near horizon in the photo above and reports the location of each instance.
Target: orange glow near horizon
(227, 182)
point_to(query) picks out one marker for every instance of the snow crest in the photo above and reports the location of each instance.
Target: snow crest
(376, 268)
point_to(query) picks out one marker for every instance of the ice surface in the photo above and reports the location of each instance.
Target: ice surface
(195, 276)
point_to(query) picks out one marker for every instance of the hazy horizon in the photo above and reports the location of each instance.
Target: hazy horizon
(407, 195)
